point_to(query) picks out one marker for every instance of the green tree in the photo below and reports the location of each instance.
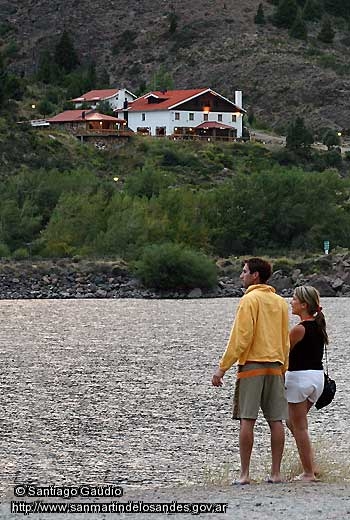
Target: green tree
(104, 79)
(327, 33)
(75, 224)
(250, 116)
(259, 18)
(3, 80)
(162, 80)
(173, 20)
(337, 7)
(91, 80)
(66, 56)
(298, 136)
(19, 223)
(331, 139)
(148, 181)
(105, 108)
(299, 28)
(312, 10)
(285, 13)
(47, 69)
(45, 107)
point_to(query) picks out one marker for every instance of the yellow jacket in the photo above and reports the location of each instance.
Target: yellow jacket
(261, 329)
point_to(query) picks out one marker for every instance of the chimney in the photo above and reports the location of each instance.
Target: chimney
(83, 114)
(238, 98)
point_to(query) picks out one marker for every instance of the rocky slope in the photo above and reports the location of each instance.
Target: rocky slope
(215, 44)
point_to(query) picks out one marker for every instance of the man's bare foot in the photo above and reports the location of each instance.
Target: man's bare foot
(274, 480)
(241, 482)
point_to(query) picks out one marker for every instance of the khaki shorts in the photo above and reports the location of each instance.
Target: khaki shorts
(257, 391)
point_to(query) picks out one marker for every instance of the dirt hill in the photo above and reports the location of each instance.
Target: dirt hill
(215, 44)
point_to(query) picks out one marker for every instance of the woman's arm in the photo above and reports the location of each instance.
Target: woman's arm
(296, 334)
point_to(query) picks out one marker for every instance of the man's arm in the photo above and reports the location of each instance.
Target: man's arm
(240, 340)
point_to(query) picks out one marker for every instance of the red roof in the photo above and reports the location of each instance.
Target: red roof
(97, 95)
(169, 99)
(77, 115)
(214, 124)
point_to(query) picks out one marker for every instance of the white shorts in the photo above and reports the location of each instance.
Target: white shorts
(304, 384)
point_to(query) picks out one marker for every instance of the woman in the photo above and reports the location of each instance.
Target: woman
(305, 376)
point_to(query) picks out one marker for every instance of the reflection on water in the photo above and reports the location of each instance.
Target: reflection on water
(119, 391)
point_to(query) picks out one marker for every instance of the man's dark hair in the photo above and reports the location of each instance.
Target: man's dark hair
(261, 266)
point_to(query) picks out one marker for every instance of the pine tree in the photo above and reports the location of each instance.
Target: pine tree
(65, 55)
(337, 7)
(104, 79)
(48, 71)
(3, 80)
(312, 10)
(298, 29)
(298, 136)
(331, 139)
(259, 18)
(173, 19)
(91, 77)
(285, 13)
(327, 33)
(162, 80)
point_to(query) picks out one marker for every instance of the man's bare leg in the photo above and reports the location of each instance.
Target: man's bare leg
(246, 441)
(277, 447)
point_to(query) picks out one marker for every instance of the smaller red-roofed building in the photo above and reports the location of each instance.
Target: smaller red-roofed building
(86, 120)
(116, 98)
(181, 114)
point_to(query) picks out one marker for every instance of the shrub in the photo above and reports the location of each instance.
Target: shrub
(327, 33)
(20, 254)
(4, 250)
(171, 266)
(259, 18)
(333, 158)
(284, 264)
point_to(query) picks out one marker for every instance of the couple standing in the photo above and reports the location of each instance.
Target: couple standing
(278, 370)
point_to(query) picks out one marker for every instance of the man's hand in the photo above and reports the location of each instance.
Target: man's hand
(217, 377)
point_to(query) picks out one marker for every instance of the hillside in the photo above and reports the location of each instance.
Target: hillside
(215, 44)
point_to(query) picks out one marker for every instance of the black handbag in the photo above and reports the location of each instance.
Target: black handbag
(329, 388)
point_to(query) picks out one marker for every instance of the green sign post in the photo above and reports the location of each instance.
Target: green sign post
(326, 246)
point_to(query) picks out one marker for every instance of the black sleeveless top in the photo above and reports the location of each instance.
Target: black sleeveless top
(307, 354)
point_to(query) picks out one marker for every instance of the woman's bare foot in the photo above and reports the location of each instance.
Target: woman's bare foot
(305, 477)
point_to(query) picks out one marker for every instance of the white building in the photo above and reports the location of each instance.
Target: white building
(178, 113)
(117, 98)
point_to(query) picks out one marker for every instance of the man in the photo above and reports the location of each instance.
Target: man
(259, 344)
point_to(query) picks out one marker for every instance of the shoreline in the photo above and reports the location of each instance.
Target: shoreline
(74, 279)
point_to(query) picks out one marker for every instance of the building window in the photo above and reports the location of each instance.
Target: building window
(219, 117)
(234, 118)
(143, 117)
(205, 117)
(177, 116)
(191, 116)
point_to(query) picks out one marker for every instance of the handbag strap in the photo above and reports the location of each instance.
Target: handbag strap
(326, 358)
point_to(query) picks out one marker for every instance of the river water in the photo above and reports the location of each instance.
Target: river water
(119, 391)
